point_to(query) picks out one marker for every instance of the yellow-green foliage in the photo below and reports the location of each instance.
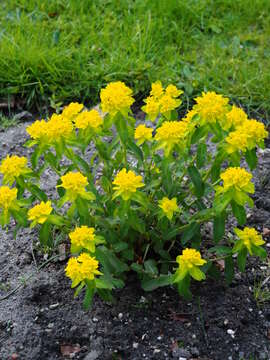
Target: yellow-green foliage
(139, 203)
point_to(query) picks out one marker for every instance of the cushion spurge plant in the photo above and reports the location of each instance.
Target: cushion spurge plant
(141, 199)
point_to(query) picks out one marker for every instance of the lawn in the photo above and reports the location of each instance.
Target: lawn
(53, 52)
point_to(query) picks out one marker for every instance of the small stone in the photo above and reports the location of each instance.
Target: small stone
(54, 306)
(73, 328)
(159, 338)
(120, 316)
(135, 345)
(50, 326)
(226, 322)
(250, 309)
(194, 351)
(231, 332)
(181, 353)
(95, 319)
(194, 336)
(156, 351)
(93, 355)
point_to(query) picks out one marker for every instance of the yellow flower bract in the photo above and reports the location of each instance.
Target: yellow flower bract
(116, 97)
(84, 267)
(238, 178)
(89, 119)
(211, 107)
(12, 167)
(169, 207)
(74, 183)
(189, 263)
(142, 134)
(52, 131)
(249, 237)
(40, 212)
(171, 133)
(126, 183)
(234, 118)
(83, 237)
(72, 110)
(7, 197)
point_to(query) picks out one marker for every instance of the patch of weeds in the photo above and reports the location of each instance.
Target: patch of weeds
(6, 122)
(261, 290)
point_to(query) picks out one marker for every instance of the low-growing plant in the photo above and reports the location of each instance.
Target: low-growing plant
(138, 200)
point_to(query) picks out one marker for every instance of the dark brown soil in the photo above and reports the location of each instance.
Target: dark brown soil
(42, 320)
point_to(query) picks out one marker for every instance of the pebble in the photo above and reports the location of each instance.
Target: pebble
(50, 325)
(120, 316)
(159, 338)
(54, 306)
(156, 351)
(95, 319)
(226, 322)
(231, 332)
(135, 345)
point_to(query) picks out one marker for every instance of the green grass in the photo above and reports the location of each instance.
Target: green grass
(60, 50)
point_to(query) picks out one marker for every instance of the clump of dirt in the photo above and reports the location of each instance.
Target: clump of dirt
(42, 320)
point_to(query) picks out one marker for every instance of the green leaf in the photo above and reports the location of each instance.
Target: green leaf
(241, 259)
(137, 267)
(190, 232)
(106, 295)
(201, 155)
(35, 156)
(135, 149)
(103, 283)
(120, 246)
(219, 226)
(136, 223)
(90, 291)
(106, 184)
(183, 287)
(151, 267)
(45, 234)
(196, 180)
(229, 269)
(239, 212)
(199, 133)
(259, 251)
(150, 284)
(251, 158)
(220, 250)
(37, 192)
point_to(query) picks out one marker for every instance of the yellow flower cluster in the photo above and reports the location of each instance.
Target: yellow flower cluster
(7, 198)
(12, 167)
(161, 100)
(89, 119)
(116, 97)
(142, 134)
(246, 136)
(52, 131)
(83, 238)
(170, 134)
(189, 263)
(234, 118)
(82, 268)
(74, 183)
(169, 207)
(72, 110)
(126, 183)
(238, 178)
(40, 213)
(249, 238)
(211, 107)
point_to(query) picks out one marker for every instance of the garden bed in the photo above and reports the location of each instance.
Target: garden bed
(43, 321)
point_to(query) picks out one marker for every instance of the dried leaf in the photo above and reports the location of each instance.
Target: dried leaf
(70, 350)
(266, 231)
